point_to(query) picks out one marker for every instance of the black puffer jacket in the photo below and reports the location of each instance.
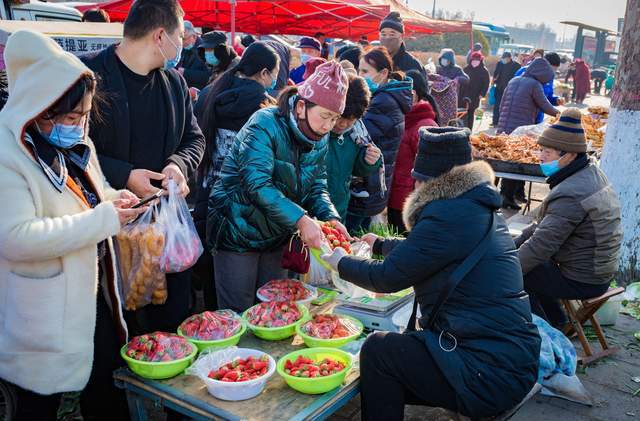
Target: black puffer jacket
(233, 107)
(495, 362)
(196, 71)
(524, 96)
(384, 121)
(404, 61)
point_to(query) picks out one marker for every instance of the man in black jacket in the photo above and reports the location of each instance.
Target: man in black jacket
(391, 37)
(146, 134)
(505, 71)
(191, 66)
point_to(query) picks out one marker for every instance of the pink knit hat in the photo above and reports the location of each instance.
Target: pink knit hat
(326, 87)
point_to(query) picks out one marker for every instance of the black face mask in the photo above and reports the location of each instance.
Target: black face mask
(392, 44)
(305, 128)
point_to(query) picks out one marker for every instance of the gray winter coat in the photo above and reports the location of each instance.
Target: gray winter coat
(578, 228)
(524, 96)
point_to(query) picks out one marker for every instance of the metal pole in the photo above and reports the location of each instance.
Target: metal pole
(233, 22)
(433, 13)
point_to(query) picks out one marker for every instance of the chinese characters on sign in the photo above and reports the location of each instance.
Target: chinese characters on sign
(80, 46)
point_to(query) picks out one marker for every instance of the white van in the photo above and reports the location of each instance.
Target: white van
(39, 11)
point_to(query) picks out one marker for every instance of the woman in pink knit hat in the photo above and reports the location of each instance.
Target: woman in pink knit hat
(272, 184)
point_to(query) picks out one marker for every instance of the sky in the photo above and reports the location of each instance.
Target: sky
(601, 13)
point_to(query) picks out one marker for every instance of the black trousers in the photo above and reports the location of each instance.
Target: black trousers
(394, 216)
(165, 317)
(397, 369)
(100, 400)
(496, 107)
(512, 188)
(546, 285)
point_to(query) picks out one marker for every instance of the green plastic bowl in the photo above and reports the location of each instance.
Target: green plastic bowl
(316, 385)
(158, 370)
(277, 333)
(312, 342)
(220, 343)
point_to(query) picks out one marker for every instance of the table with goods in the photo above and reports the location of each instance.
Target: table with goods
(515, 156)
(291, 356)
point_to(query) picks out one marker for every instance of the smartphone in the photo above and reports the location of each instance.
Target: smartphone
(148, 199)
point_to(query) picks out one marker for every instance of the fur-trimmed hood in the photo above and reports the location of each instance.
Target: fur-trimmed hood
(450, 185)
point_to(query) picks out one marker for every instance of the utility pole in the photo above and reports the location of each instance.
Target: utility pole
(433, 13)
(621, 156)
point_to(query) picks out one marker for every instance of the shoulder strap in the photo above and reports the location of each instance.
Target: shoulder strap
(456, 276)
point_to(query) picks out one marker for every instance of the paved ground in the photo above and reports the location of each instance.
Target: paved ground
(610, 382)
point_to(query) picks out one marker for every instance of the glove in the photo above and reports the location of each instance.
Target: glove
(333, 259)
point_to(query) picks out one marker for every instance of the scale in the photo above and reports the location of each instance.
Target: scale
(376, 316)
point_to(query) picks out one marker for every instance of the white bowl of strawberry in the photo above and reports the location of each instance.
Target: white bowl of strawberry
(241, 375)
(287, 290)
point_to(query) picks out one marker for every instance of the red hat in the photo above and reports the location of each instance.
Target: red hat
(326, 87)
(477, 55)
(311, 66)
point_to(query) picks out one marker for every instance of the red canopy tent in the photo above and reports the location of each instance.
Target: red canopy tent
(337, 19)
(415, 22)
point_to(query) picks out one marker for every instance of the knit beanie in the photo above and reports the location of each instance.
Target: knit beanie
(348, 67)
(567, 135)
(477, 55)
(326, 87)
(311, 66)
(393, 21)
(440, 149)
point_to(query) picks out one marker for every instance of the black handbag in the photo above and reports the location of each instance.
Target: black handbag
(454, 279)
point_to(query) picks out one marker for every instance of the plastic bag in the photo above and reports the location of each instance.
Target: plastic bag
(158, 347)
(492, 95)
(212, 325)
(140, 245)
(533, 130)
(360, 249)
(182, 247)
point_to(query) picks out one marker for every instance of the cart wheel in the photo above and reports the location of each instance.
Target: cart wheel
(7, 402)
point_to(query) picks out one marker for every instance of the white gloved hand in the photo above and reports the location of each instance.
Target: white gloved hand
(333, 259)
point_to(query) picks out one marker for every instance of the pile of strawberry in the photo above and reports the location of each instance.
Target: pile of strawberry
(211, 325)
(274, 314)
(306, 367)
(158, 347)
(241, 370)
(284, 290)
(329, 326)
(335, 237)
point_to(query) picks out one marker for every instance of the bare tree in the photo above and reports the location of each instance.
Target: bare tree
(621, 157)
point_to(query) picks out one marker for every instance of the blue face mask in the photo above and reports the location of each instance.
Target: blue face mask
(188, 47)
(170, 64)
(305, 58)
(64, 136)
(550, 168)
(371, 84)
(210, 58)
(273, 85)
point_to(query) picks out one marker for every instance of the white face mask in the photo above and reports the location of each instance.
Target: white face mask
(444, 62)
(475, 63)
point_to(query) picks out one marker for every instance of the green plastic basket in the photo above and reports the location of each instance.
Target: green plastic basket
(158, 370)
(312, 342)
(276, 333)
(316, 385)
(220, 343)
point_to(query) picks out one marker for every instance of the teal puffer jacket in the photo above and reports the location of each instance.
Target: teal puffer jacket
(270, 179)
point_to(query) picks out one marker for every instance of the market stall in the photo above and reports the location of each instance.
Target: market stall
(188, 394)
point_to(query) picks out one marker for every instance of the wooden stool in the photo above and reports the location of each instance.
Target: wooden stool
(579, 316)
